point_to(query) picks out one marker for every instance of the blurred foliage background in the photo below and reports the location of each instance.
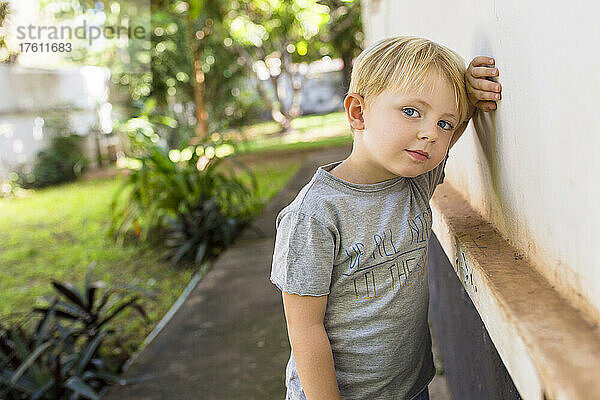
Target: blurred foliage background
(201, 62)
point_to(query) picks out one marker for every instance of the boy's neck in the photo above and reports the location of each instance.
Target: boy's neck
(361, 173)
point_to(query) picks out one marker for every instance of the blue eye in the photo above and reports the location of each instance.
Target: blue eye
(409, 108)
(450, 126)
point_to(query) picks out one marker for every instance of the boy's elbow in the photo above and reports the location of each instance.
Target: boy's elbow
(301, 336)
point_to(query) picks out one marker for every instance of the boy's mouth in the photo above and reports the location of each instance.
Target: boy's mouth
(418, 154)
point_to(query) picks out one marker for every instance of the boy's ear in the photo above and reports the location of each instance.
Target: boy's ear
(355, 107)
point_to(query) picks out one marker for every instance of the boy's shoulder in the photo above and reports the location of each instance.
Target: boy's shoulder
(316, 199)
(320, 198)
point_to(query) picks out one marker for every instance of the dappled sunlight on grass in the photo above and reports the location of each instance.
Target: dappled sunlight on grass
(56, 233)
(310, 126)
(335, 119)
(309, 131)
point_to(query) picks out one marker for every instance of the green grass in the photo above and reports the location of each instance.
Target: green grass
(56, 233)
(309, 132)
(278, 145)
(312, 124)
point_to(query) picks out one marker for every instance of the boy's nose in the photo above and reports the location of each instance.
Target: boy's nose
(428, 134)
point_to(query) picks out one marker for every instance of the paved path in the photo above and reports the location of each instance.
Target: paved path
(228, 340)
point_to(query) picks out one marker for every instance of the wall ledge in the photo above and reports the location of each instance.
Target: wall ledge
(548, 347)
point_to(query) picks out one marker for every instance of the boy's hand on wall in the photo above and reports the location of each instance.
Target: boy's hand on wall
(481, 89)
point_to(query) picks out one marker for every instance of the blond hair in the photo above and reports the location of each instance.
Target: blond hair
(404, 63)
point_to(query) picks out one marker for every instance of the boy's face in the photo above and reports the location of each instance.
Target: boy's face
(397, 124)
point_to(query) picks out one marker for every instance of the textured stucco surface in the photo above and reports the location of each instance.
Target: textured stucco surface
(548, 347)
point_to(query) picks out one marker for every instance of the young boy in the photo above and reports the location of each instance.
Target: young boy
(351, 250)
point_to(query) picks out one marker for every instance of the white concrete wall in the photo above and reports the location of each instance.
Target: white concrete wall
(530, 168)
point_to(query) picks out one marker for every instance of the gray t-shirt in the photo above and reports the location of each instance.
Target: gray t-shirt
(365, 246)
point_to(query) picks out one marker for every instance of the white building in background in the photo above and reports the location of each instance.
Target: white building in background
(30, 96)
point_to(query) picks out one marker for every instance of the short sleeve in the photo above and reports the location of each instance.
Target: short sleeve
(436, 176)
(303, 255)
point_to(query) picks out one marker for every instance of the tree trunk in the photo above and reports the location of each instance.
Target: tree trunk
(286, 116)
(296, 82)
(347, 70)
(96, 134)
(295, 110)
(198, 80)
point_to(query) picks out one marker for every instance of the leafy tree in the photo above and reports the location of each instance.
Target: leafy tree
(220, 78)
(344, 32)
(202, 53)
(277, 35)
(193, 69)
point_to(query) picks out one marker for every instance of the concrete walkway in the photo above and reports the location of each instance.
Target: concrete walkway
(228, 340)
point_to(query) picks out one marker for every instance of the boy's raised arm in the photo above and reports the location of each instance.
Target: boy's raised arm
(310, 345)
(482, 90)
